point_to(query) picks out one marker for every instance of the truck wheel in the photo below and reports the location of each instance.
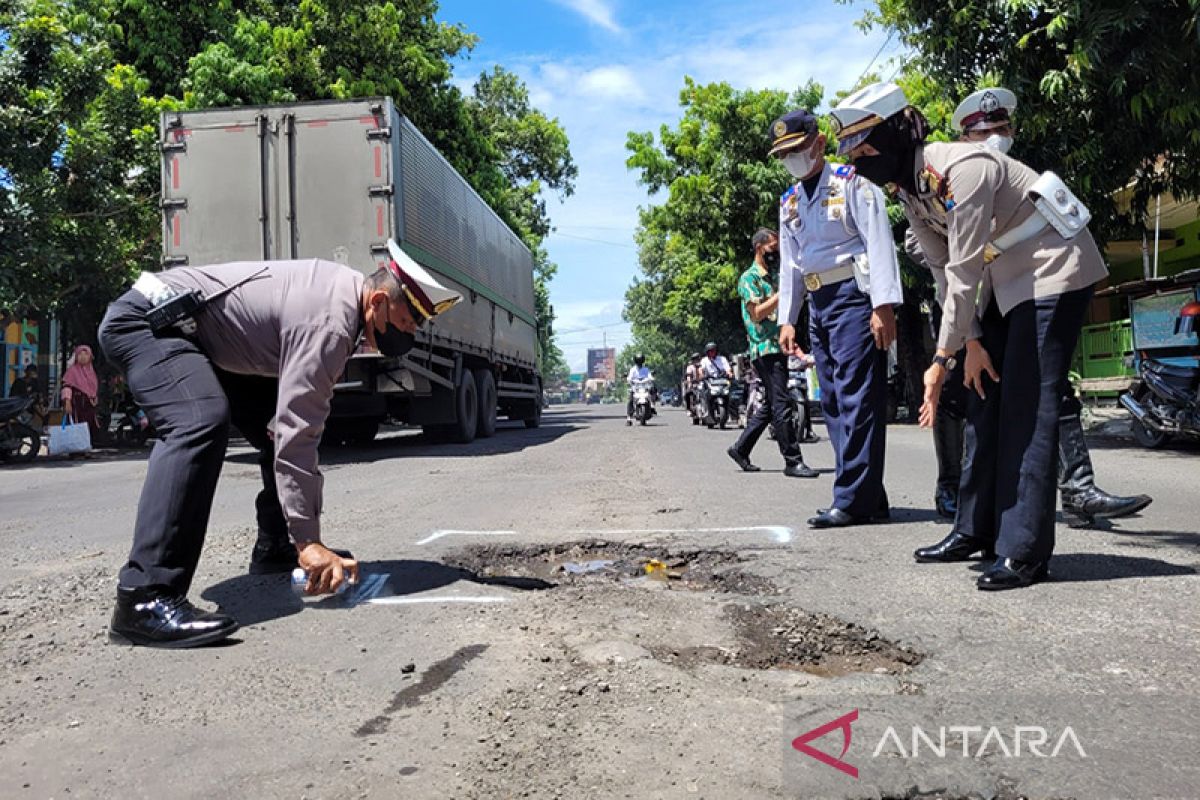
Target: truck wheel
(466, 407)
(535, 418)
(485, 386)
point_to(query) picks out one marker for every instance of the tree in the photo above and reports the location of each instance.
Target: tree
(1109, 91)
(78, 210)
(720, 188)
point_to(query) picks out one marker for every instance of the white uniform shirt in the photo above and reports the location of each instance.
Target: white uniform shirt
(714, 367)
(846, 217)
(637, 373)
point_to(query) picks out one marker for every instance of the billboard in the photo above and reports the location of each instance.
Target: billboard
(602, 363)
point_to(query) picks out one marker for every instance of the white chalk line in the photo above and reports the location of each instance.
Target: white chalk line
(438, 534)
(405, 601)
(778, 533)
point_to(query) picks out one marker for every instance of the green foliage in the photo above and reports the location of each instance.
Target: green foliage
(82, 83)
(1108, 91)
(719, 187)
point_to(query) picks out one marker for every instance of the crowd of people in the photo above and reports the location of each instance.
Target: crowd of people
(1014, 266)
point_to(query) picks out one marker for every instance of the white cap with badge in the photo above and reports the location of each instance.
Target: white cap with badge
(423, 291)
(984, 110)
(857, 115)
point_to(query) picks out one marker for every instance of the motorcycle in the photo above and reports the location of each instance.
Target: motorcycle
(714, 402)
(128, 426)
(1165, 398)
(799, 406)
(643, 400)
(20, 442)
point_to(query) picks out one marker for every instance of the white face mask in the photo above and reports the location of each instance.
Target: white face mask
(998, 142)
(799, 164)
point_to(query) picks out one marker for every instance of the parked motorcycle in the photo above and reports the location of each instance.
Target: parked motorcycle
(19, 441)
(128, 425)
(714, 402)
(643, 400)
(799, 406)
(1165, 399)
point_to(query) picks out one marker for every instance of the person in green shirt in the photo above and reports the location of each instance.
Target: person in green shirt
(758, 291)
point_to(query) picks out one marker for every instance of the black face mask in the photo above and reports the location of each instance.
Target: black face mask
(882, 169)
(393, 342)
(771, 259)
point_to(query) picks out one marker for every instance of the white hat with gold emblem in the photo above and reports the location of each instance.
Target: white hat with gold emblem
(856, 116)
(984, 110)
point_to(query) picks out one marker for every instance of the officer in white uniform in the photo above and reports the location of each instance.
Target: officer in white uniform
(836, 250)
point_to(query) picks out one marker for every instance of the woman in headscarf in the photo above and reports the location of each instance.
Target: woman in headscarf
(80, 389)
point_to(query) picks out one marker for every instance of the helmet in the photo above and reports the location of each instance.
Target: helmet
(639, 359)
(695, 356)
(710, 347)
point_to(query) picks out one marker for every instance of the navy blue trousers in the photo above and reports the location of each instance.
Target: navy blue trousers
(853, 375)
(1008, 488)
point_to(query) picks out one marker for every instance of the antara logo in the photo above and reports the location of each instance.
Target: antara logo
(1032, 740)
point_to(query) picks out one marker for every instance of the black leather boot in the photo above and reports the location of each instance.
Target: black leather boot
(955, 547)
(948, 442)
(1009, 573)
(155, 617)
(1083, 501)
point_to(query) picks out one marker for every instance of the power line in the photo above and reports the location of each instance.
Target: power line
(878, 52)
(592, 328)
(597, 241)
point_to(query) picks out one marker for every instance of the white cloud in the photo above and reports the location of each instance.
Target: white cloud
(597, 12)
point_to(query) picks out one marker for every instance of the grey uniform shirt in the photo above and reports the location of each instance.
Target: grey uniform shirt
(298, 321)
(967, 195)
(846, 217)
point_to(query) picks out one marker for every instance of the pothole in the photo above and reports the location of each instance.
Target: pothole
(778, 636)
(581, 563)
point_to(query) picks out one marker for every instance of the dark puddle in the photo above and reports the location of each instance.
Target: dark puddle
(431, 680)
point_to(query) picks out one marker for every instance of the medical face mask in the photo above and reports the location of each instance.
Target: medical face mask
(800, 165)
(998, 142)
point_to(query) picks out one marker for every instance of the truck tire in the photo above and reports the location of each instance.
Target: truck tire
(466, 408)
(485, 387)
(535, 418)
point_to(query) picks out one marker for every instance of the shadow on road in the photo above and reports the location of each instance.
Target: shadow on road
(1092, 567)
(254, 599)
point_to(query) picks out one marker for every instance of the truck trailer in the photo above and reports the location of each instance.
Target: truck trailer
(335, 180)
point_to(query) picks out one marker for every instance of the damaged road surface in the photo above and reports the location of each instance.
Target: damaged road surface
(606, 621)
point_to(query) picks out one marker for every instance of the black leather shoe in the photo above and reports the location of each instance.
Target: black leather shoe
(1008, 573)
(742, 461)
(800, 470)
(955, 547)
(1083, 508)
(272, 558)
(833, 518)
(155, 618)
(945, 501)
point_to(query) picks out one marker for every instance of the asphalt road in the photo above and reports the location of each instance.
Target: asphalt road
(469, 665)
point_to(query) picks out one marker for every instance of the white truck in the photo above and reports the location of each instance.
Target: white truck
(336, 180)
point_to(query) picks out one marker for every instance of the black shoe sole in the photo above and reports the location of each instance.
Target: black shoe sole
(171, 644)
(978, 556)
(1000, 587)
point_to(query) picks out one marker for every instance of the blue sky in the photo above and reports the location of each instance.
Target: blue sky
(605, 67)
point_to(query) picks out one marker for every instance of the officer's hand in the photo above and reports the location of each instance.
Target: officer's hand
(978, 361)
(326, 569)
(883, 327)
(935, 376)
(787, 339)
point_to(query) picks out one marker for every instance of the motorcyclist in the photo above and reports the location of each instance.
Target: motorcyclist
(691, 380)
(714, 365)
(638, 372)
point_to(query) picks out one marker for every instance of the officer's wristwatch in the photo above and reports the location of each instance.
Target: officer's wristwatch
(947, 362)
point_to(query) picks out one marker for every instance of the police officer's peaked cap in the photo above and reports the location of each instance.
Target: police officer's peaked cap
(984, 110)
(794, 129)
(856, 116)
(423, 291)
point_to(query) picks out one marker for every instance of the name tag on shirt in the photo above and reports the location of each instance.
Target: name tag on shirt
(834, 201)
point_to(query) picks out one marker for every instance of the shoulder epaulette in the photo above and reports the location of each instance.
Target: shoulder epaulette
(791, 191)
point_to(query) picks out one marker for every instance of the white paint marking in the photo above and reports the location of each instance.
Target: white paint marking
(433, 537)
(778, 533)
(402, 601)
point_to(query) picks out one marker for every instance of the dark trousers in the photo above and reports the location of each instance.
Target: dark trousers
(772, 370)
(853, 375)
(179, 389)
(1007, 494)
